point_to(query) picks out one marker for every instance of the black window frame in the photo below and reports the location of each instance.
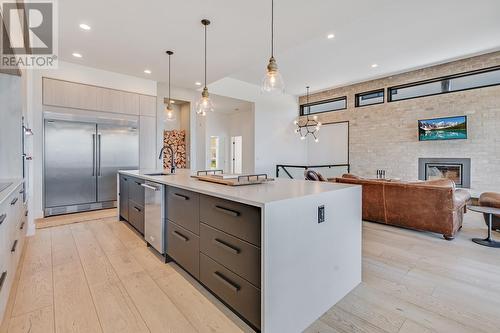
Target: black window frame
(341, 98)
(358, 95)
(441, 79)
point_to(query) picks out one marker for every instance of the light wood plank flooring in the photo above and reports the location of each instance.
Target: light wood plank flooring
(98, 276)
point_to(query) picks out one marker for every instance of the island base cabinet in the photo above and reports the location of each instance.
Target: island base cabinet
(243, 297)
(136, 216)
(183, 246)
(124, 197)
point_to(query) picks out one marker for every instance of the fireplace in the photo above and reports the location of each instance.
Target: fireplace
(456, 169)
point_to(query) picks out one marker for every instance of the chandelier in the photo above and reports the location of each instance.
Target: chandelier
(308, 125)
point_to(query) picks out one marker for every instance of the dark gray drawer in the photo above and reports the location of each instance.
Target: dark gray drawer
(136, 191)
(239, 256)
(184, 247)
(183, 208)
(136, 215)
(232, 289)
(124, 181)
(236, 219)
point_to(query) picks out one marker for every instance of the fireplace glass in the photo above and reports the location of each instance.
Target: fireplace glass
(442, 170)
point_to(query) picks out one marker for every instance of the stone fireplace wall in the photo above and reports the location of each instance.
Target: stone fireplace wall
(385, 136)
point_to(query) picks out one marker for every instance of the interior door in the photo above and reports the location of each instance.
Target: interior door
(117, 149)
(69, 163)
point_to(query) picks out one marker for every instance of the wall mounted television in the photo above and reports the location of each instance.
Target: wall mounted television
(448, 128)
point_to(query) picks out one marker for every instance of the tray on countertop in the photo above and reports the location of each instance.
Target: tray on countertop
(217, 176)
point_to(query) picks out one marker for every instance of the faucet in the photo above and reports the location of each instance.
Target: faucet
(172, 156)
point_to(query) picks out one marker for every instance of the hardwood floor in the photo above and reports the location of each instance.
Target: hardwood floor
(98, 276)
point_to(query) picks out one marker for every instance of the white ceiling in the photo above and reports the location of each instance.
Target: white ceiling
(130, 36)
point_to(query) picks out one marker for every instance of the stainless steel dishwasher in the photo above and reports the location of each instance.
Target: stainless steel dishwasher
(154, 215)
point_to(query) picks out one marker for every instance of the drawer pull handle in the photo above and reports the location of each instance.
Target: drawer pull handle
(2, 218)
(227, 211)
(13, 249)
(226, 246)
(13, 202)
(22, 226)
(137, 209)
(228, 283)
(2, 279)
(180, 196)
(26, 213)
(180, 236)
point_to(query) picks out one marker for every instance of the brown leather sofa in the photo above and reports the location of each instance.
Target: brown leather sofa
(435, 206)
(491, 199)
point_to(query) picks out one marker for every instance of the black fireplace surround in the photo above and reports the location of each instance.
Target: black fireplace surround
(458, 168)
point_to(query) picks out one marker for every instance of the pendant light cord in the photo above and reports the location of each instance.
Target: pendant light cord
(169, 100)
(272, 28)
(205, 56)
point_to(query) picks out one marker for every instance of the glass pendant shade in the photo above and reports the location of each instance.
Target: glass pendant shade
(169, 113)
(205, 104)
(273, 82)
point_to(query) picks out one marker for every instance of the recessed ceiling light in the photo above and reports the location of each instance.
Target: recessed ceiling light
(84, 26)
(198, 83)
(147, 71)
(374, 65)
(330, 36)
(77, 55)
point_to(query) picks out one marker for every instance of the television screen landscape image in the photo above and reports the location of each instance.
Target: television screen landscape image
(449, 128)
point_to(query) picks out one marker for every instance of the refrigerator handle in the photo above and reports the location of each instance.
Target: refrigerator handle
(93, 155)
(99, 155)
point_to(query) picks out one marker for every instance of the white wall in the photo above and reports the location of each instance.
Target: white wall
(75, 73)
(242, 124)
(275, 140)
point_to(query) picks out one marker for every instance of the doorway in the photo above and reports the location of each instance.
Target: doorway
(236, 154)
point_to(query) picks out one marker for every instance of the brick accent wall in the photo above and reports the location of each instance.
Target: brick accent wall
(385, 136)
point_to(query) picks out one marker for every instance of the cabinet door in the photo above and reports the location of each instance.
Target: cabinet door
(147, 143)
(124, 197)
(108, 100)
(147, 105)
(69, 94)
(129, 103)
(184, 247)
(136, 215)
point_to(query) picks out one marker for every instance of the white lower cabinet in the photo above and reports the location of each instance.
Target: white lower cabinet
(13, 218)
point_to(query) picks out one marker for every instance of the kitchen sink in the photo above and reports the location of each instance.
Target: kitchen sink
(157, 174)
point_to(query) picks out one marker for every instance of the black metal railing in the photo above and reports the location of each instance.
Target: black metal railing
(297, 171)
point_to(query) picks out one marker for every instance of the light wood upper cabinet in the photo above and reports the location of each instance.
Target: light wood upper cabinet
(147, 105)
(69, 94)
(108, 100)
(129, 103)
(82, 96)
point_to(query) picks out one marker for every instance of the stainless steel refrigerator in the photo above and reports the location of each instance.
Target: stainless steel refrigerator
(81, 160)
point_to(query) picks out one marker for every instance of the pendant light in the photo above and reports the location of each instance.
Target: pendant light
(205, 105)
(272, 82)
(309, 125)
(169, 111)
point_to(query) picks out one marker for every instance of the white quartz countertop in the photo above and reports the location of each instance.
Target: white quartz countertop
(8, 190)
(255, 195)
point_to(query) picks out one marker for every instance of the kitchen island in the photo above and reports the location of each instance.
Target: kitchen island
(279, 254)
